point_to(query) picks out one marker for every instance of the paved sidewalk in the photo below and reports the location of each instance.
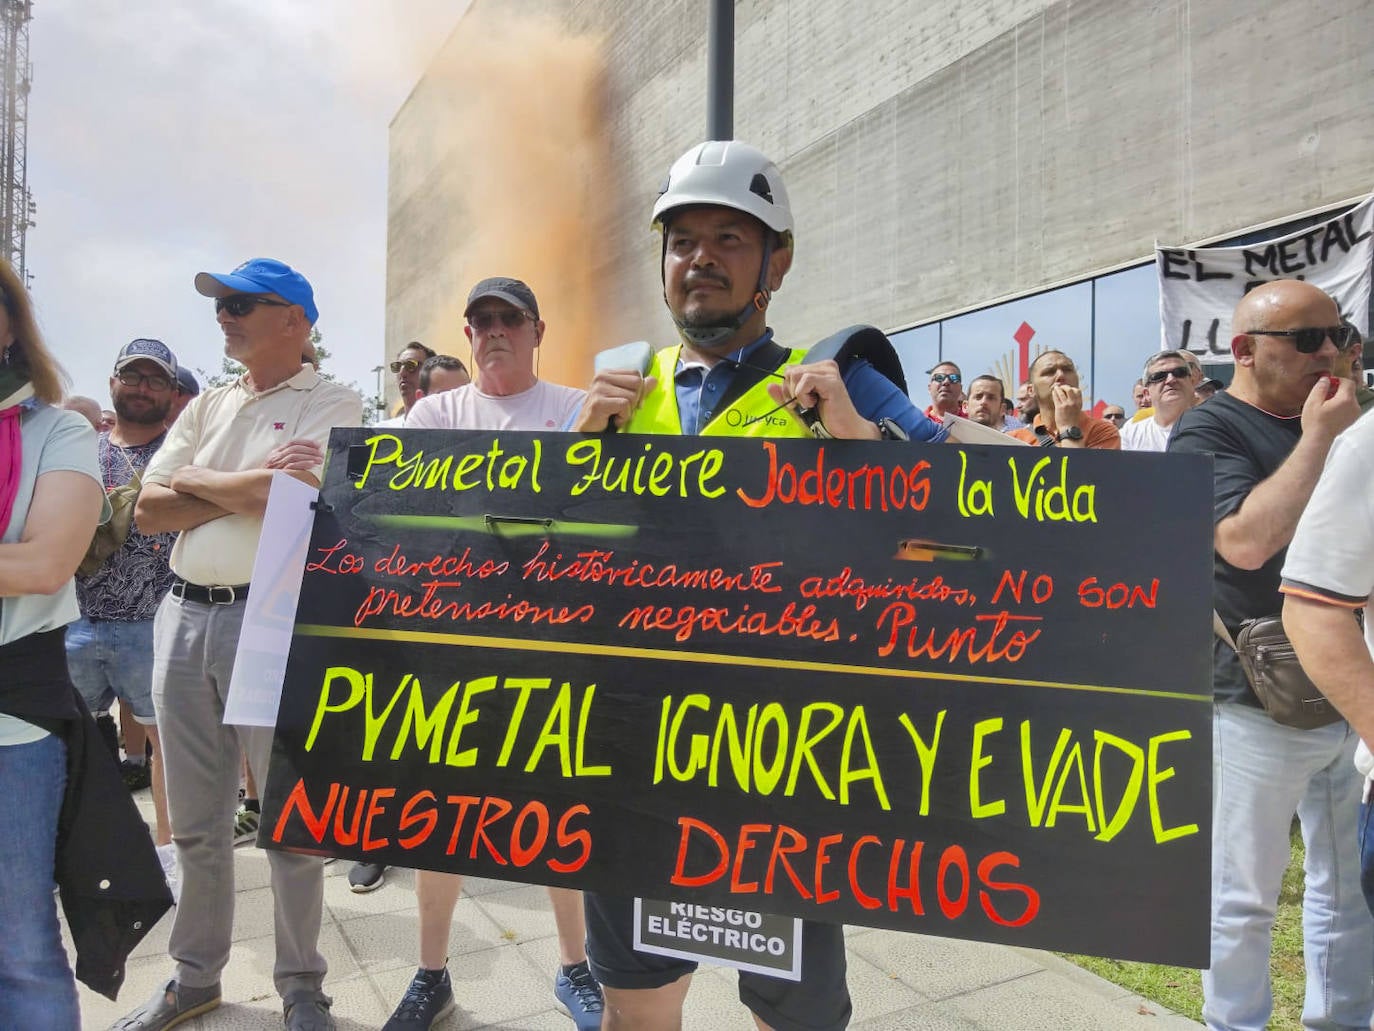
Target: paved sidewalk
(504, 953)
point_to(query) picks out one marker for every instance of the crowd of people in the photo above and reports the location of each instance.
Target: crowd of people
(149, 612)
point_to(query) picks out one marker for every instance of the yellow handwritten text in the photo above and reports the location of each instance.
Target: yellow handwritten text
(1069, 785)
(772, 751)
(688, 476)
(1044, 500)
(433, 729)
(493, 468)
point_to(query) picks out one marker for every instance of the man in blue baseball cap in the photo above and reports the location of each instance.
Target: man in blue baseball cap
(260, 281)
(209, 483)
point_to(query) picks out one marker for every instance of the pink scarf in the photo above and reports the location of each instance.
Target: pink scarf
(11, 452)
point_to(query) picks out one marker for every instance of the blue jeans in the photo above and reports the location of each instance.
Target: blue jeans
(1262, 774)
(110, 659)
(36, 985)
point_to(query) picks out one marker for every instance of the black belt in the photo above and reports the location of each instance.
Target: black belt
(216, 595)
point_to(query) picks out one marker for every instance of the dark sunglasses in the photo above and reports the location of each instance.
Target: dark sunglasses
(511, 318)
(155, 381)
(408, 364)
(1177, 372)
(1309, 340)
(239, 305)
(940, 377)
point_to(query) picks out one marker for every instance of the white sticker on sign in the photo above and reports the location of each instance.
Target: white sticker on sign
(764, 943)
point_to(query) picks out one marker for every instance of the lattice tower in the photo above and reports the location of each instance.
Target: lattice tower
(16, 204)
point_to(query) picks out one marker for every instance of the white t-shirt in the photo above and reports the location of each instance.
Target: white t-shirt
(545, 406)
(1145, 435)
(1331, 558)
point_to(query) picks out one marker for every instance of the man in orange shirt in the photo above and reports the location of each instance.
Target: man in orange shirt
(1061, 421)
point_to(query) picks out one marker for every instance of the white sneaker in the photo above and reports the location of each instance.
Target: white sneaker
(167, 856)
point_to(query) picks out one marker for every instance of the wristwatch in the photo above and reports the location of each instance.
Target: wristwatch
(1070, 433)
(890, 430)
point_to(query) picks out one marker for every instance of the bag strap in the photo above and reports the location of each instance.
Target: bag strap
(1220, 629)
(135, 472)
(766, 359)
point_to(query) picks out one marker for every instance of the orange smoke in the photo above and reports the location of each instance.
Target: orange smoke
(499, 167)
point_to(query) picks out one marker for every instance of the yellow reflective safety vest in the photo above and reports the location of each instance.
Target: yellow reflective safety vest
(752, 414)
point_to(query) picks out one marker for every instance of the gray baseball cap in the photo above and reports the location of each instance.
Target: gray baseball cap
(146, 349)
(503, 288)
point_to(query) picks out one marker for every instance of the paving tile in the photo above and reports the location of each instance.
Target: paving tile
(1045, 1002)
(396, 894)
(938, 968)
(930, 1017)
(521, 911)
(475, 886)
(542, 957)
(385, 941)
(493, 987)
(875, 991)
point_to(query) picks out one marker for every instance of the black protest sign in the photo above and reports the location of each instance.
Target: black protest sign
(948, 689)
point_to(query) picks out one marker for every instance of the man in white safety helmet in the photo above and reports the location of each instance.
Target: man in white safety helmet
(727, 244)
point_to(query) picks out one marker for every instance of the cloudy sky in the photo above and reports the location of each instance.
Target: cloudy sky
(168, 137)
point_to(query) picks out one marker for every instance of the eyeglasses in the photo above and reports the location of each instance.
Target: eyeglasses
(408, 364)
(1309, 340)
(155, 381)
(511, 318)
(1177, 372)
(239, 305)
(1115, 416)
(940, 377)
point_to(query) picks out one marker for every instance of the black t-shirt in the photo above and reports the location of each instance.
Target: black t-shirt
(1247, 445)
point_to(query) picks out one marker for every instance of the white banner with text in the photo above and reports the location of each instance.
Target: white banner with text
(1199, 287)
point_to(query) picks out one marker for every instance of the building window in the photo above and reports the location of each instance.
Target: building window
(1107, 324)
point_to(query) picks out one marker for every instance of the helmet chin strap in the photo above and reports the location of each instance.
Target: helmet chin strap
(709, 338)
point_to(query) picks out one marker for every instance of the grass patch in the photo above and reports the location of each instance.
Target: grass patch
(1180, 989)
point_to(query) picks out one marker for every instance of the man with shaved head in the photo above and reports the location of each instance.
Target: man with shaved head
(1060, 420)
(1269, 433)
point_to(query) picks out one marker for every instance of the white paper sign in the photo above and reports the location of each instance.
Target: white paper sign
(270, 613)
(1199, 288)
(966, 431)
(739, 938)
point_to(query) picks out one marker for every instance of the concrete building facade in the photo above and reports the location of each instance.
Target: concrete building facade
(942, 159)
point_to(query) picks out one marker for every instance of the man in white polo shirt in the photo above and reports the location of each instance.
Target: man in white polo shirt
(210, 481)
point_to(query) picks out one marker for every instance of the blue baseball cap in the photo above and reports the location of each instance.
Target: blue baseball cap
(261, 276)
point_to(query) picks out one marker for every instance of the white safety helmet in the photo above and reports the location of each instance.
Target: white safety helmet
(729, 174)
